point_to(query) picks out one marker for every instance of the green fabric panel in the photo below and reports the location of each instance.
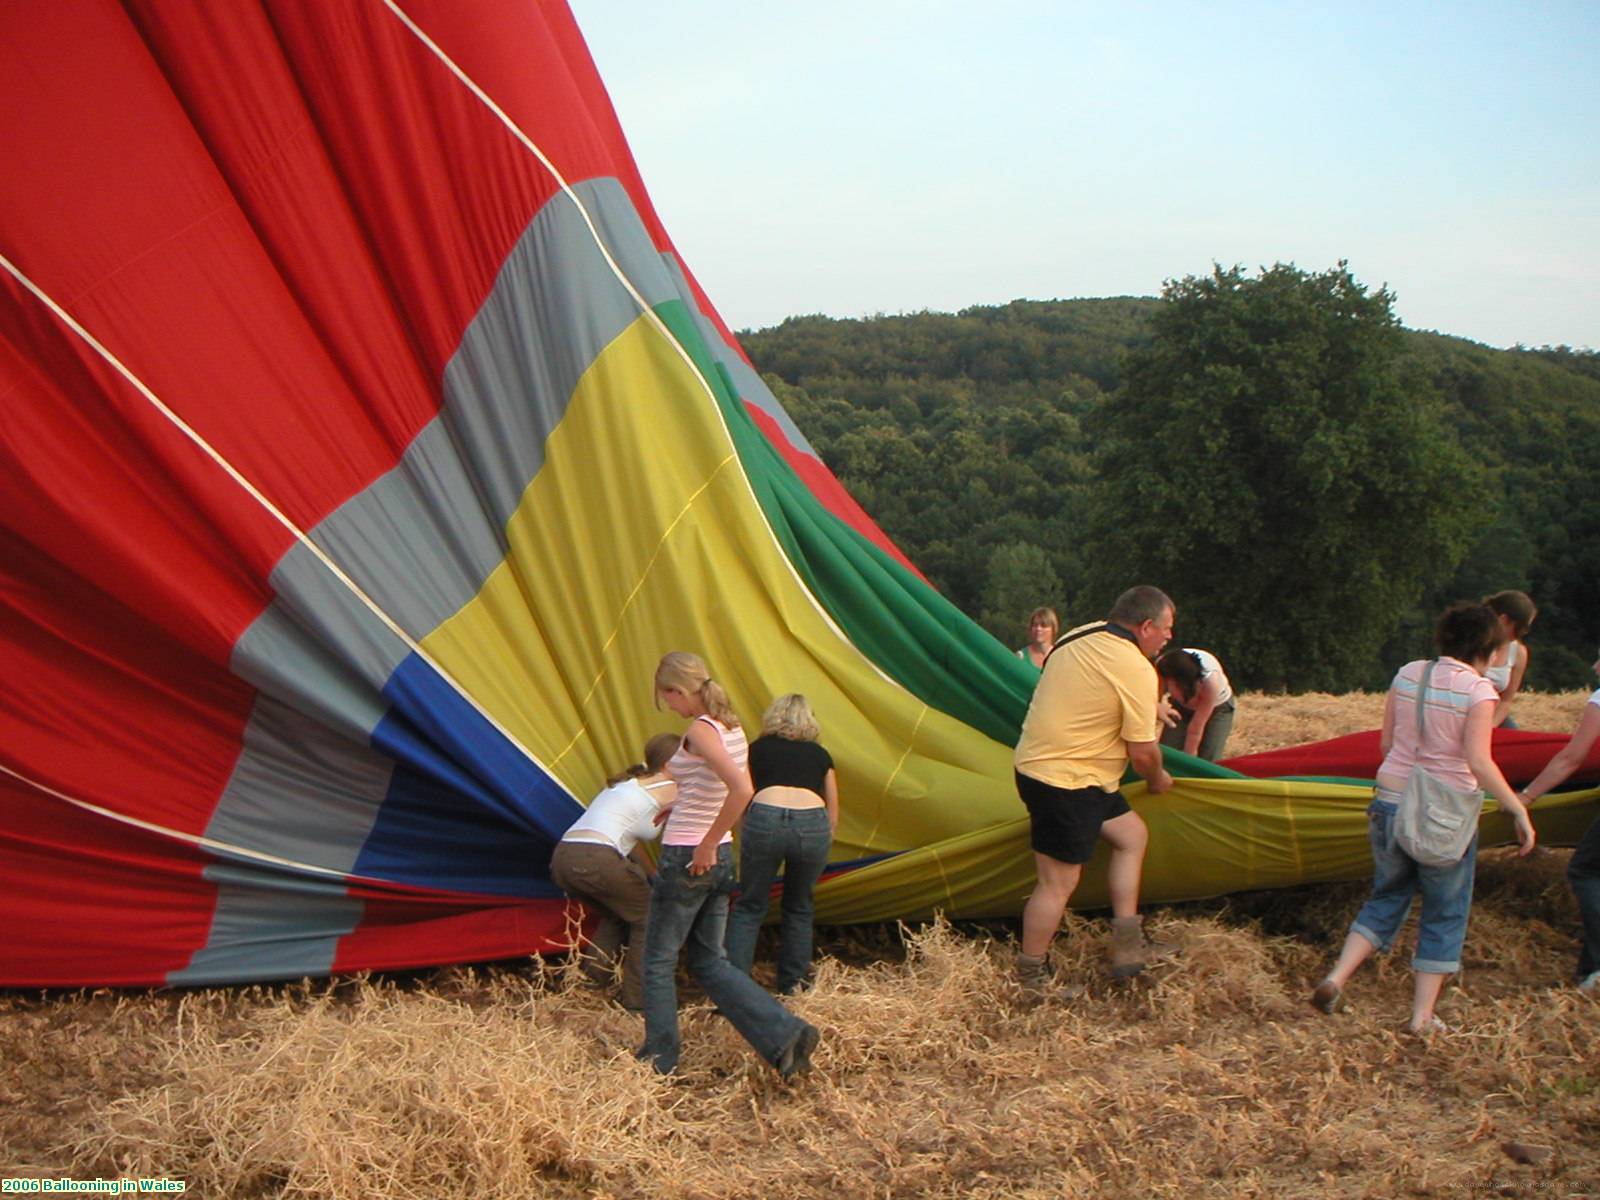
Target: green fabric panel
(913, 634)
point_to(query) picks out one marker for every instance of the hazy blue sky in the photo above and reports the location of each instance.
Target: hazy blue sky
(889, 156)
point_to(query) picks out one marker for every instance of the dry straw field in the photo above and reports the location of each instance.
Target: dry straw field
(1209, 1077)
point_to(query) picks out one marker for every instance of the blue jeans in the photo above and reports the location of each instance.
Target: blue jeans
(692, 910)
(798, 840)
(1583, 873)
(1446, 897)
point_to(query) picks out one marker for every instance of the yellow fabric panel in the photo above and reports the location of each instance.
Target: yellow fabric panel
(662, 546)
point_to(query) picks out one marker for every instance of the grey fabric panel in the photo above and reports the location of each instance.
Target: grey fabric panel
(310, 599)
(419, 540)
(422, 540)
(301, 790)
(749, 384)
(554, 308)
(270, 925)
(279, 657)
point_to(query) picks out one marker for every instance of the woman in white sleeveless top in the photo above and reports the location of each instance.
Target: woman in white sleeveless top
(599, 864)
(1199, 689)
(1506, 670)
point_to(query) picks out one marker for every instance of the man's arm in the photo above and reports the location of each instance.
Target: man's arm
(1146, 760)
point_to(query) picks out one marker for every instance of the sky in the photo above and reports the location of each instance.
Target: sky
(885, 156)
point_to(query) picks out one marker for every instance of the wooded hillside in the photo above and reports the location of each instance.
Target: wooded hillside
(972, 439)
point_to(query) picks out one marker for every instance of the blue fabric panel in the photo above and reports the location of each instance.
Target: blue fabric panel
(465, 809)
(428, 834)
(453, 741)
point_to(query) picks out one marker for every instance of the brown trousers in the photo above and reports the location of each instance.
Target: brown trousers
(617, 891)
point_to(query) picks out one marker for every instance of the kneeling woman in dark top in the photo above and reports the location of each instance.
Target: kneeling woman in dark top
(789, 824)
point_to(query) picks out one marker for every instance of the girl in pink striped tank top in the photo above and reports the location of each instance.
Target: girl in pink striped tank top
(709, 768)
(689, 900)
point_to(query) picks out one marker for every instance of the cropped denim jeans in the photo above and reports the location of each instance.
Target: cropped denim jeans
(1397, 878)
(692, 911)
(798, 840)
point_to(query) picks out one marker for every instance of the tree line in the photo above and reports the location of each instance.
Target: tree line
(1309, 480)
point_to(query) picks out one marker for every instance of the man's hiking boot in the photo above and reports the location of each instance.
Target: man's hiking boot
(1131, 951)
(1038, 982)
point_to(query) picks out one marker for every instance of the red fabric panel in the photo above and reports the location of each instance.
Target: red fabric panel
(1520, 754)
(404, 933)
(88, 897)
(193, 222)
(827, 488)
(152, 729)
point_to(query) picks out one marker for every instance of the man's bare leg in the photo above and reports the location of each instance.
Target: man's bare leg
(1041, 916)
(1128, 838)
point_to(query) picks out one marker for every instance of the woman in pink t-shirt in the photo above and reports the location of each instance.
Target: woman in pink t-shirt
(1458, 714)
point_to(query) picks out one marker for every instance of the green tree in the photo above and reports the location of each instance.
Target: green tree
(1271, 464)
(1020, 579)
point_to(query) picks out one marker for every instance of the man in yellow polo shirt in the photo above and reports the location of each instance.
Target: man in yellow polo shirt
(1093, 712)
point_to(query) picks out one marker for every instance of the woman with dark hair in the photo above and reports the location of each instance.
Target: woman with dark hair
(1043, 629)
(789, 825)
(689, 902)
(1451, 743)
(1583, 872)
(1199, 689)
(1506, 670)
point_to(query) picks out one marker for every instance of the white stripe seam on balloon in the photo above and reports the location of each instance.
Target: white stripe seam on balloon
(272, 509)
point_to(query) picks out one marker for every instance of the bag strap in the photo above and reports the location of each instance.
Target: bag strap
(1094, 627)
(1422, 696)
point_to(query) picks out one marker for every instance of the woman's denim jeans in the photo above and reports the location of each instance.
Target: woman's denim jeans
(692, 910)
(1446, 897)
(798, 840)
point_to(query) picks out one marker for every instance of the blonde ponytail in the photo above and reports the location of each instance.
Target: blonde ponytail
(717, 704)
(688, 674)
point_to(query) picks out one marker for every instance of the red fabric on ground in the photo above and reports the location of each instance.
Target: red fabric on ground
(1520, 753)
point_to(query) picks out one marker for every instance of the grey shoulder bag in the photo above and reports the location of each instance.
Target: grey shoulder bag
(1433, 822)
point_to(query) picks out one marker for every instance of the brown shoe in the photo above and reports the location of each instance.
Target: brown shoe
(1328, 997)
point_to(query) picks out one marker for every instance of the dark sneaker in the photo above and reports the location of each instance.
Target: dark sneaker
(1327, 997)
(796, 1056)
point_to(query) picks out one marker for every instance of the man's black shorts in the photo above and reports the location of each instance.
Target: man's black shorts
(1066, 821)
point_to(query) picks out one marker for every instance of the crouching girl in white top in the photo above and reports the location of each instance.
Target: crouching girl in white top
(598, 862)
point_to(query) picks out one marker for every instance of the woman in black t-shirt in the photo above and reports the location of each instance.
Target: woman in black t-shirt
(789, 824)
